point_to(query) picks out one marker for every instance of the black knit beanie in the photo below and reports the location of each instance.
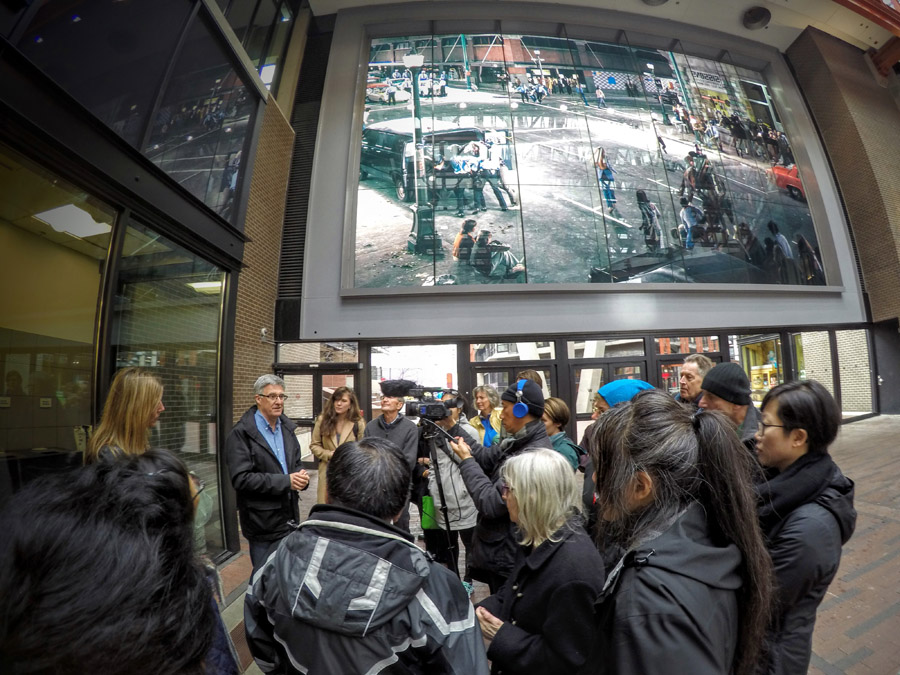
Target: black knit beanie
(532, 396)
(729, 382)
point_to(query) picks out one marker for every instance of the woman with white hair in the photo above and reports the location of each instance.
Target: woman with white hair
(542, 619)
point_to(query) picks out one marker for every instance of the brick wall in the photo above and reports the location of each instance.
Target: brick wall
(858, 121)
(258, 281)
(817, 358)
(855, 369)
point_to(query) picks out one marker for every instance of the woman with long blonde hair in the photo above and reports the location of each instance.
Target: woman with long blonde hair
(340, 420)
(133, 405)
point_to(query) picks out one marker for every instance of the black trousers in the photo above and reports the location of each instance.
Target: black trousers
(445, 548)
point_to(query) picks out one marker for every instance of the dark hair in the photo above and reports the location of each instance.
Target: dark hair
(691, 458)
(683, 201)
(370, 475)
(98, 573)
(641, 196)
(773, 226)
(807, 405)
(468, 225)
(329, 416)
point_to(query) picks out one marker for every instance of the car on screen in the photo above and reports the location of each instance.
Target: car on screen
(376, 92)
(787, 178)
(388, 149)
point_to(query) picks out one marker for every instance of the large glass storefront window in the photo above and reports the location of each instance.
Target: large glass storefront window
(166, 317)
(54, 242)
(761, 359)
(489, 158)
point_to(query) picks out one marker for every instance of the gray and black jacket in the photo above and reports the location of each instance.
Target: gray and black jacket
(348, 593)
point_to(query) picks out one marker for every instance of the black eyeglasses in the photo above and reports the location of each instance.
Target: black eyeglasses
(274, 397)
(762, 426)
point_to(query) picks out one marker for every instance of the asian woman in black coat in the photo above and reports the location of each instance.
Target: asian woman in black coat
(542, 619)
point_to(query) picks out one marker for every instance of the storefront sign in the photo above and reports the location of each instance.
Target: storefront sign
(706, 80)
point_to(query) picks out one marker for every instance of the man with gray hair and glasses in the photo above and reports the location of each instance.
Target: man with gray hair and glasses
(263, 457)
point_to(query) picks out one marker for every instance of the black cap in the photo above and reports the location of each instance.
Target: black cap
(729, 382)
(532, 396)
(396, 388)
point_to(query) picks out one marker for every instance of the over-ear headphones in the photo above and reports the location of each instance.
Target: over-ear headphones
(520, 409)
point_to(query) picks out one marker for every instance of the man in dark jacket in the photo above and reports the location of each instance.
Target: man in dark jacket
(263, 457)
(396, 428)
(350, 593)
(726, 388)
(493, 551)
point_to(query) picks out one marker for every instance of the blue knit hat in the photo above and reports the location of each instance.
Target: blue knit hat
(622, 390)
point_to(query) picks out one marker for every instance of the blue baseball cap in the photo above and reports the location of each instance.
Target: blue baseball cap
(622, 390)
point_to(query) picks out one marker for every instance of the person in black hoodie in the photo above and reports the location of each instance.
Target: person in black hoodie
(693, 591)
(494, 546)
(805, 510)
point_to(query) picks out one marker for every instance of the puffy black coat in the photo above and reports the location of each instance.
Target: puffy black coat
(547, 606)
(266, 503)
(672, 606)
(494, 542)
(806, 551)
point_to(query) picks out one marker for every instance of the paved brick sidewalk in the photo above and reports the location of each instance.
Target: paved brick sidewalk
(858, 627)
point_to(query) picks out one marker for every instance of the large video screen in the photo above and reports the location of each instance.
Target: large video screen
(511, 159)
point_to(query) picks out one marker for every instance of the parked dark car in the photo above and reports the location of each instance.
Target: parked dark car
(388, 150)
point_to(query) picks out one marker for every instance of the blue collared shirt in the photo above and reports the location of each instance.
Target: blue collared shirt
(273, 438)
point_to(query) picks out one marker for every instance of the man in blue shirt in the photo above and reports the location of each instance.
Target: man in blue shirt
(263, 457)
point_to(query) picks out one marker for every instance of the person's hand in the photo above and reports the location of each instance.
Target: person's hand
(299, 480)
(461, 448)
(490, 624)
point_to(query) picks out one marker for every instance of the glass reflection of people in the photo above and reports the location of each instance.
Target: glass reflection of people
(465, 240)
(606, 176)
(133, 406)
(754, 251)
(654, 234)
(341, 420)
(14, 384)
(494, 259)
(811, 271)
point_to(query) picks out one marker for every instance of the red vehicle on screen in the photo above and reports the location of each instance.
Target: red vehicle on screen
(787, 178)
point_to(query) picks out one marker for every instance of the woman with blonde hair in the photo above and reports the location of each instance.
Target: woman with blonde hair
(133, 406)
(487, 421)
(340, 420)
(542, 619)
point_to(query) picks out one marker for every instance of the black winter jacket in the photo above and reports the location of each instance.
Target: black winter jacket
(547, 606)
(266, 503)
(494, 542)
(806, 551)
(348, 593)
(672, 606)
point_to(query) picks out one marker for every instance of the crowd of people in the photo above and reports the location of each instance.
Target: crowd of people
(694, 530)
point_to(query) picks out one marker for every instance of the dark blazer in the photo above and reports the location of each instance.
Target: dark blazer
(266, 503)
(547, 606)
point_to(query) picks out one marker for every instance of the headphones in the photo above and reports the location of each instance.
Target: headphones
(520, 409)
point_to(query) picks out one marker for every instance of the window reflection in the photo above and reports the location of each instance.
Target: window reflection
(166, 318)
(198, 133)
(549, 160)
(54, 241)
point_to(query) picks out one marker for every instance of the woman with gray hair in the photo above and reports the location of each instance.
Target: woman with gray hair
(487, 421)
(542, 619)
(694, 588)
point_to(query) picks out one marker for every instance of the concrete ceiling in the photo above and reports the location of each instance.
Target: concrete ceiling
(789, 17)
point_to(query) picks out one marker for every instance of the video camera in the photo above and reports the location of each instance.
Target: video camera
(428, 403)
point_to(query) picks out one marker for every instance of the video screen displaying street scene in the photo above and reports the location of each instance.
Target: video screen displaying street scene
(511, 159)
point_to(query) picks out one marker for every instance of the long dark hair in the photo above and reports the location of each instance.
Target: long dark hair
(98, 573)
(329, 416)
(691, 458)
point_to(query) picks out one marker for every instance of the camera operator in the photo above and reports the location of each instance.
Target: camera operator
(494, 545)
(443, 542)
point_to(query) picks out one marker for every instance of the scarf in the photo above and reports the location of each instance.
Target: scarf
(799, 484)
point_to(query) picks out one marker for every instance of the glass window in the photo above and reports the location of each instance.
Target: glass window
(761, 359)
(206, 112)
(687, 345)
(587, 382)
(498, 379)
(856, 372)
(599, 349)
(670, 377)
(111, 57)
(518, 131)
(54, 242)
(512, 351)
(430, 366)
(167, 317)
(257, 37)
(318, 352)
(270, 64)
(239, 14)
(299, 406)
(812, 358)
